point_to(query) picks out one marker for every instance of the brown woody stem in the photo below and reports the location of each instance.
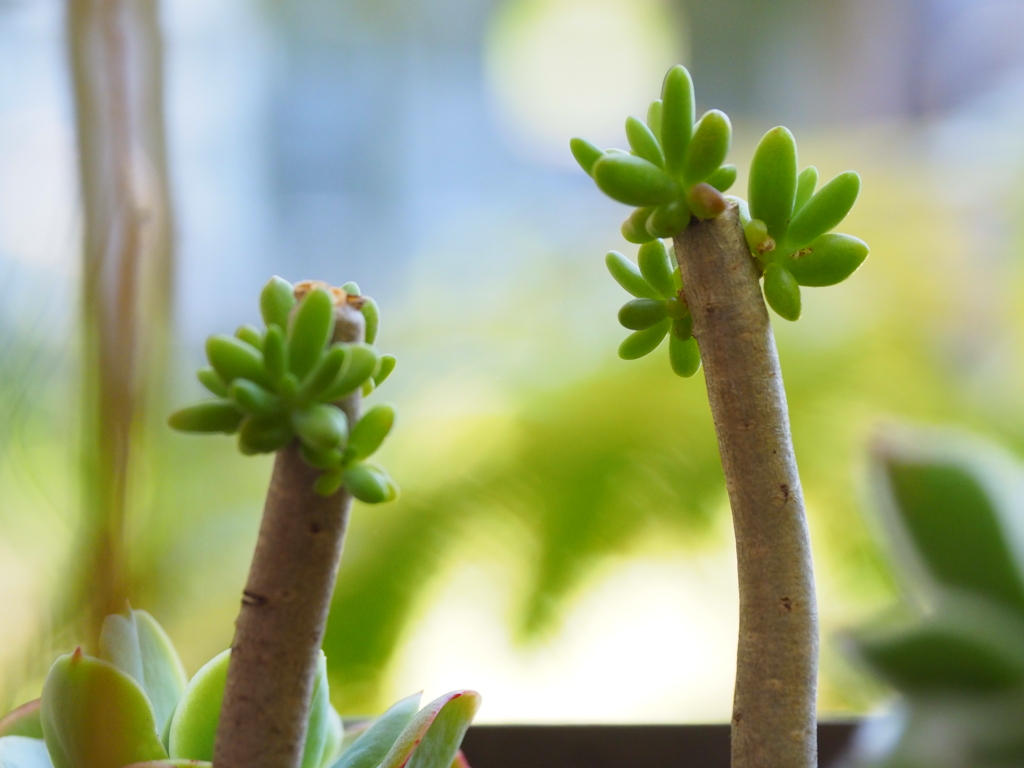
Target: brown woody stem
(115, 51)
(280, 626)
(773, 724)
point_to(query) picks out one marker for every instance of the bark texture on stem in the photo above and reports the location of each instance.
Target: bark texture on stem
(280, 626)
(774, 720)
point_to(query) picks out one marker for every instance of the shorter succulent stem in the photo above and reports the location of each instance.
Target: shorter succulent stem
(280, 627)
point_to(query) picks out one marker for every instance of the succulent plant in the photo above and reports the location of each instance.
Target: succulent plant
(132, 705)
(706, 295)
(954, 650)
(674, 172)
(282, 382)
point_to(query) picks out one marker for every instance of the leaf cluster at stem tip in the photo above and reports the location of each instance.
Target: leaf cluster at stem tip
(282, 382)
(674, 171)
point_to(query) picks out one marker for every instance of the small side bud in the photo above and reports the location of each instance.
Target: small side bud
(705, 201)
(758, 239)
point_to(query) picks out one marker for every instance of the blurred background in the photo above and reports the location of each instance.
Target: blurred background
(563, 542)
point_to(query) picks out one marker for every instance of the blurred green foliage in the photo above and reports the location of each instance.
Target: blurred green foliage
(955, 649)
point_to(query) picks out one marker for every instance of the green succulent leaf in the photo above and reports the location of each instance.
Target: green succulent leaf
(250, 334)
(208, 416)
(137, 645)
(951, 510)
(668, 220)
(828, 260)
(23, 721)
(772, 185)
(264, 434)
(782, 292)
(326, 371)
(708, 147)
(677, 115)
(433, 737)
(824, 210)
(387, 365)
(318, 728)
(329, 459)
(276, 302)
(634, 228)
(233, 359)
(362, 364)
(214, 383)
(633, 180)
(321, 426)
(352, 289)
(367, 483)
(656, 268)
(627, 275)
(310, 331)
(335, 740)
(640, 343)
(373, 745)
(330, 482)
(370, 431)
(805, 184)
(586, 154)
(684, 355)
(723, 178)
(966, 645)
(194, 724)
(172, 763)
(275, 353)
(643, 142)
(96, 716)
(23, 752)
(682, 327)
(654, 119)
(254, 399)
(638, 314)
(371, 313)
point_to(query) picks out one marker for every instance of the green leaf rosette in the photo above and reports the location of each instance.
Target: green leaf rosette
(284, 382)
(674, 168)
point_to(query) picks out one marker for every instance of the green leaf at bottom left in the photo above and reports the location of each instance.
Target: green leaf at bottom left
(96, 716)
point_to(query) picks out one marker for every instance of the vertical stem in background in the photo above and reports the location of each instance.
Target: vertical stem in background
(115, 53)
(280, 626)
(774, 718)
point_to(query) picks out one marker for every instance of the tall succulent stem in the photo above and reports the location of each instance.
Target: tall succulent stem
(773, 723)
(287, 597)
(116, 58)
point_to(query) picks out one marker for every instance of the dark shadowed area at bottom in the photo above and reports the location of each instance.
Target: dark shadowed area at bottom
(617, 746)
